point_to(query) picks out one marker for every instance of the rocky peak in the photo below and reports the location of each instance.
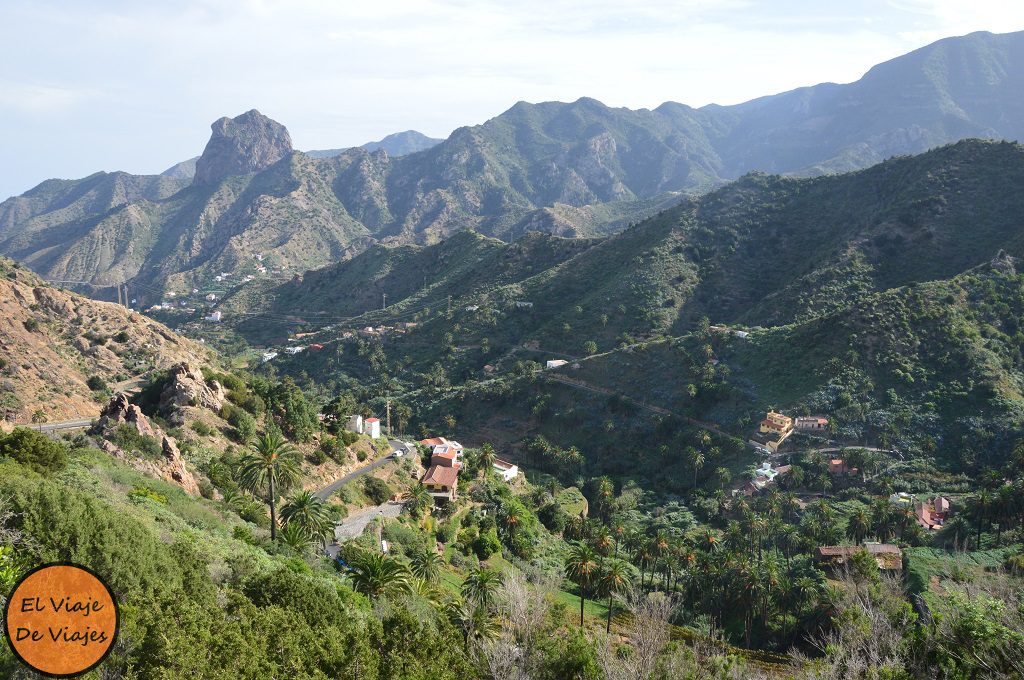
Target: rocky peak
(242, 145)
(186, 387)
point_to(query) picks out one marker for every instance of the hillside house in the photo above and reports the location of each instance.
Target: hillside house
(214, 316)
(932, 514)
(889, 557)
(211, 297)
(811, 424)
(355, 424)
(555, 363)
(294, 350)
(442, 482)
(440, 445)
(371, 427)
(776, 423)
(267, 356)
(505, 469)
(316, 347)
(522, 304)
(902, 499)
(837, 466)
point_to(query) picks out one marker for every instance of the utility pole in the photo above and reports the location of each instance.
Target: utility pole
(384, 302)
(449, 305)
(388, 407)
(127, 300)
(119, 293)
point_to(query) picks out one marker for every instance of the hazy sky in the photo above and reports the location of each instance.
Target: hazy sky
(127, 85)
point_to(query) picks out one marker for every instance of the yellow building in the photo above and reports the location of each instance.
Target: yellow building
(776, 423)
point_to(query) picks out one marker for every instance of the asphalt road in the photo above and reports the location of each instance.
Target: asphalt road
(63, 425)
(326, 492)
(354, 525)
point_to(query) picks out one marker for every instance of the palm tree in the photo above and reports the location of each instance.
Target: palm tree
(376, 574)
(476, 622)
(481, 586)
(859, 526)
(309, 513)
(426, 564)
(581, 567)
(697, 461)
(295, 537)
(486, 459)
(614, 579)
(272, 465)
(417, 499)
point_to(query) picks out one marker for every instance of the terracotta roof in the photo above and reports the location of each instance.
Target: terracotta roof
(372, 420)
(433, 441)
(887, 555)
(503, 464)
(441, 475)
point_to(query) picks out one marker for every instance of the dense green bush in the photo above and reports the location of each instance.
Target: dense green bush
(34, 450)
(377, 490)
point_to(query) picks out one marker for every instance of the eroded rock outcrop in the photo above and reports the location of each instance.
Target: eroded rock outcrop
(170, 466)
(186, 388)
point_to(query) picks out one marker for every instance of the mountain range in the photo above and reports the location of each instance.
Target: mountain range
(578, 169)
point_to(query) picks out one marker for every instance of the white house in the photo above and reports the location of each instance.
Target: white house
(293, 350)
(355, 424)
(505, 469)
(372, 427)
(555, 363)
(522, 304)
(267, 356)
(742, 335)
(211, 297)
(214, 316)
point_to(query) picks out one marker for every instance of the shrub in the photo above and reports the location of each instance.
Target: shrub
(486, 544)
(31, 325)
(122, 337)
(34, 450)
(128, 439)
(244, 424)
(377, 490)
(202, 429)
(96, 384)
(348, 438)
(143, 492)
(332, 448)
(360, 455)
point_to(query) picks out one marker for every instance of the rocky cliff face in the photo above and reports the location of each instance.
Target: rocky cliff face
(170, 467)
(241, 146)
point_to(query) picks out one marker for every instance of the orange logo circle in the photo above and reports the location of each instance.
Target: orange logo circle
(61, 619)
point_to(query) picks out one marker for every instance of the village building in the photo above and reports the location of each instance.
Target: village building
(902, 499)
(811, 424)
(837, 466)
(355, 424)
(211, 297)
(371, 427)
(506, 470)
(294, 350)
(214, 316)
(889, 557)
(555, 363)
(772, 431)
(267, 356)
(316, 347)
(442, 482)
(932, 514)
(440, 445)
(522, 304)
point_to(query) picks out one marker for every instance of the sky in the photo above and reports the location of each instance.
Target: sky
(126, 85)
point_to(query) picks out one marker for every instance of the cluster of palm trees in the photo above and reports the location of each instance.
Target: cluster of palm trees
(271, 467)
(754, 574)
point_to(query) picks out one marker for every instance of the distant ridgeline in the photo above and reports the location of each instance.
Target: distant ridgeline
(577, 169)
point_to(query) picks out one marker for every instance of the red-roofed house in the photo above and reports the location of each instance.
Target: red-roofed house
(371, 427)
(441, 445)
(442, 482)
